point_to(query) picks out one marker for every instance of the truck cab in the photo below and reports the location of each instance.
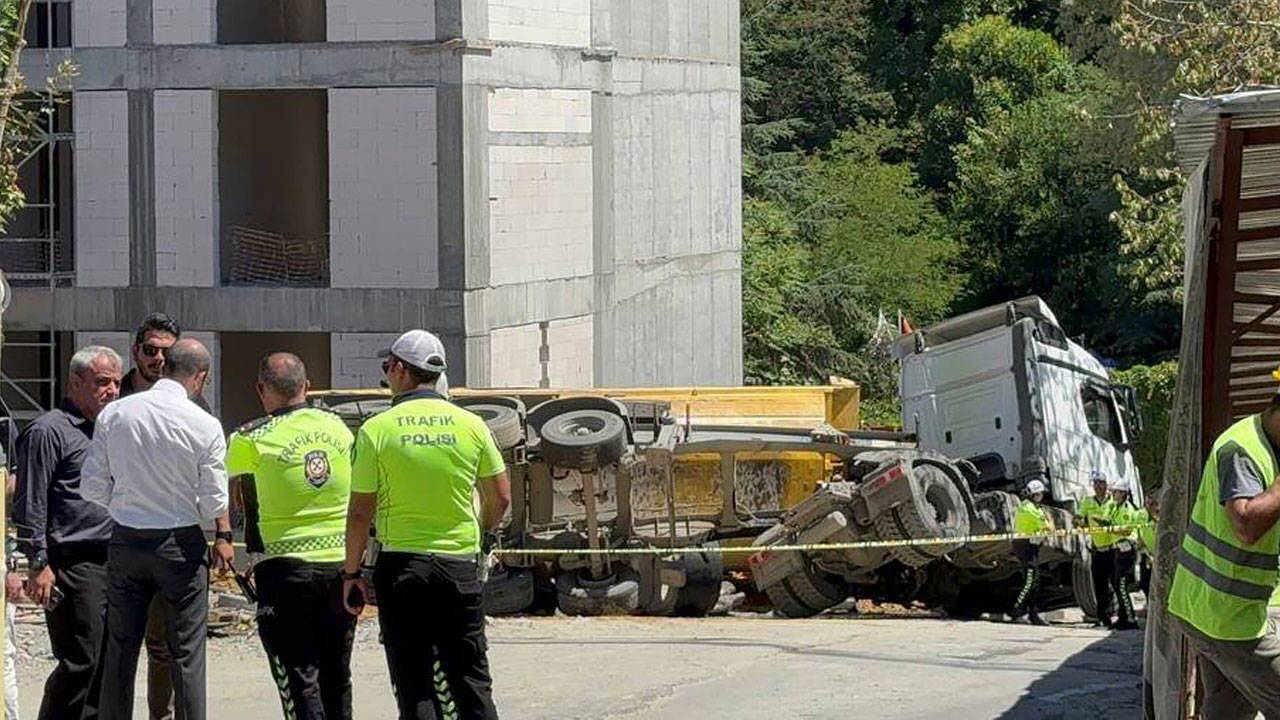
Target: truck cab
(1007, 390)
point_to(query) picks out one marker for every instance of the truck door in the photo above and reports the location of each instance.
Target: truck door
(1086, 434)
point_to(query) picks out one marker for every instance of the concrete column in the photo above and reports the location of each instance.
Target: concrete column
(142, 188)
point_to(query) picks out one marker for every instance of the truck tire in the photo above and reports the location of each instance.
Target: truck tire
(804, 594)
(1082, 584)
(508, 591)
(503, 422)
(583, 439)
(937, 510)
(703, 573)
(579, 595)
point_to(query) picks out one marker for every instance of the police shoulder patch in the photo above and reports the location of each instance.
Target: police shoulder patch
(252, 425)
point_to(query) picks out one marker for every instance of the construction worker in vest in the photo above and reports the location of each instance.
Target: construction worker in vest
(1125, 555)
(419, 465)
(1226, 571)
(295, 479)
(1096, 511)
(1145, 519)
(1030, 520)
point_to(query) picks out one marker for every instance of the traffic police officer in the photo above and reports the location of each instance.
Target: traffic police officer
(419, 465)
(1097, 512)
(1146, 519)
(1226, 571)
(295, 468)
(1126, 555)
(1030, 520)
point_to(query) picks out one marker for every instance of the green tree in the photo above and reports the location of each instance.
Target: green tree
(1033, 196)
(980, 71)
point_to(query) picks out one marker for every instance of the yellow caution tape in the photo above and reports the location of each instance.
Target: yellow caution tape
(813, 547)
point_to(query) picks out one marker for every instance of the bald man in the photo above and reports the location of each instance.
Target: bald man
(156, 464)
(294, 469)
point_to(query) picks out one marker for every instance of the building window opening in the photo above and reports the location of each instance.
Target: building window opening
(247, 22)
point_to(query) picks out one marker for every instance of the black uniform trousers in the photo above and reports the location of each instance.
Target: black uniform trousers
(141, 564)
(1028, 600)
(75, 628)
(432, 621)
(1121, 572)
(307, 635)
(1101, 568)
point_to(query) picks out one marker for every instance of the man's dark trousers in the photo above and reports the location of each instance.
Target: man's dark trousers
(75, 627)
(307, 635)
(430, 610)
(1101, 568)
(141, 563)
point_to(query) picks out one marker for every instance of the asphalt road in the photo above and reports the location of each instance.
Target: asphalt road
(732, 667)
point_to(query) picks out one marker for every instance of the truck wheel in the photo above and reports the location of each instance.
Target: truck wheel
(508, 591)
(703, 574)
(804, 594)
(936, 510)
(617, 594)
(583, 439)
(1082, 584)
(503, 422)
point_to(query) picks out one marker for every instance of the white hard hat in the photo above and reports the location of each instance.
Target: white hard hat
(1035, 486)
(1118, 484)
(420, 349)
(1097, 476)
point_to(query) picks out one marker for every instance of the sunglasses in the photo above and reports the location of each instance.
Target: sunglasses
(386, 364)
(154, 350)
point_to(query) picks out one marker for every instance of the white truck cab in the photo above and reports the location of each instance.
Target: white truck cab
(1004, 388)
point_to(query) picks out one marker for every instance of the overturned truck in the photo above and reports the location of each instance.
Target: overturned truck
(993, 399)
(665, 477)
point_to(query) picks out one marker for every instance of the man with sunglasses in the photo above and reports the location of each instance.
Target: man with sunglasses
(294, 467)
(419, 465)
(151, 343)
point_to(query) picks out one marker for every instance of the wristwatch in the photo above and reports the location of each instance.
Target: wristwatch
(224, 535)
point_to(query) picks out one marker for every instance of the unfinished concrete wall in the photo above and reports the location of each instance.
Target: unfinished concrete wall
(542, 22)
(516, 354)
(98, 23)
(186, 188)
(354, 358)
(706, 29)
(121, 342)
(101, 121)
(364, 20)
(182, 22)
(383, 188)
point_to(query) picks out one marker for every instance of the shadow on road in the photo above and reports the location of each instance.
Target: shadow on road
(1102, 681)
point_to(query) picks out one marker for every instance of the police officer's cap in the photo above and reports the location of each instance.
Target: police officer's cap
(420, 349)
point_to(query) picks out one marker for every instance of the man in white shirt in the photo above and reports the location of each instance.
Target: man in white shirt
(156, 463)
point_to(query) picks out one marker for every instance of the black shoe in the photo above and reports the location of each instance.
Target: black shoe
(1125, 625)
(1035, 619)
(1103, 623)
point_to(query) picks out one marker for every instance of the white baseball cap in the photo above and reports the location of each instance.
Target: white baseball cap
(420, 349)
(1035, 486)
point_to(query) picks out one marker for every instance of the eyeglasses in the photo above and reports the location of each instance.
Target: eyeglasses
(154, 350)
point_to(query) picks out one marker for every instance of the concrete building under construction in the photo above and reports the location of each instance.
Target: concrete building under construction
(551, 185)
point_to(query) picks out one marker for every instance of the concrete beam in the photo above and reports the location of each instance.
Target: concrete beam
(301, 65)
(256, 309)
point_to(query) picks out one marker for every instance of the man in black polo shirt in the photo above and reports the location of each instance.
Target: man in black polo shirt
(151, 344)
(64, 536)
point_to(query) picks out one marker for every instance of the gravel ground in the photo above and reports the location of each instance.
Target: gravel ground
(884, 665)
